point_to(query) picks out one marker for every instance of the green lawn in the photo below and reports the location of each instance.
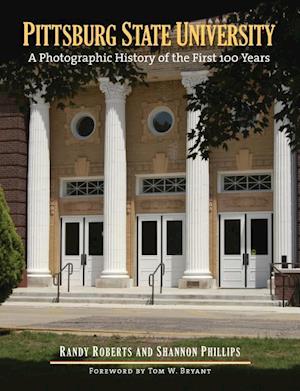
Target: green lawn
(24, 359)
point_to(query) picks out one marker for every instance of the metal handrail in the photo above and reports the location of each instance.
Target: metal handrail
(151, 279)
(57, 279)
(284, 265)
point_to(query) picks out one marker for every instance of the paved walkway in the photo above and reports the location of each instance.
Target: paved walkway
(175, 322)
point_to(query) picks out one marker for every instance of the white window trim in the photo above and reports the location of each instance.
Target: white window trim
(78, 179)
(152, 114)
(75, 120)
(221, 174)
(140, 177)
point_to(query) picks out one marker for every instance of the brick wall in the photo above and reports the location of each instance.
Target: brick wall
(287, 287)
(13, 161)
(298, 206)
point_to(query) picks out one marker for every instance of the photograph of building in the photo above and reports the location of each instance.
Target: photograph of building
(149, 197)
(104, 184)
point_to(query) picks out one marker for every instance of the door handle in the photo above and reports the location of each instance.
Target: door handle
(83, 259)
(246, 259)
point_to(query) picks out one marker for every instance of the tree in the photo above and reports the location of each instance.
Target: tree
(60, 81)
(11, 252)
(237, 99)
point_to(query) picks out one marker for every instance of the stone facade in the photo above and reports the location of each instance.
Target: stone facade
(148, 154)
(121, 150)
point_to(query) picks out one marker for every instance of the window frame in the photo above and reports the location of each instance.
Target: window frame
(77, 117)
(140, 178)
(151, 116)
(64, 181)
(223, 174)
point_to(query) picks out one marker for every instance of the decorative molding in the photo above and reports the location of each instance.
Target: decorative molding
(244, 159)
(114, 91)
(53, 207)
(82, 167)
(128, 207)
(191, 79)
(70, 112)
(38, 99)
(160, 163)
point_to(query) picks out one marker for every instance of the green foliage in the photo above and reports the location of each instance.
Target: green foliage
(238, 97)
(11, 252)
(61, 80)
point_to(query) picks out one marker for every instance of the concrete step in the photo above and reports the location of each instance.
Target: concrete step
(144, 296)
(143, 301)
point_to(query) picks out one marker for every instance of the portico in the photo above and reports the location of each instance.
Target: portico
(130, 167)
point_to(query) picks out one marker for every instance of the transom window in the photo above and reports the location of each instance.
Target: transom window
(163, 185)
(256, 182)
(83, 188)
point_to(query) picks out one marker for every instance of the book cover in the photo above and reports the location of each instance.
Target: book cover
(149, 191)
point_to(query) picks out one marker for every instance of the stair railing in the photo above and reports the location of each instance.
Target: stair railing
(151, 280)
(57, 279)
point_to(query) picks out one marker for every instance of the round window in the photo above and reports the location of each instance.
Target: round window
(161, 120)
(83, 125)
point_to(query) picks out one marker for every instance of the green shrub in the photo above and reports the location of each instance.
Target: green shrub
(11, 252)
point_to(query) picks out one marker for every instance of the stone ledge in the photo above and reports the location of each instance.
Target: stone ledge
(114, 282)
(203, 283)
(39, 281)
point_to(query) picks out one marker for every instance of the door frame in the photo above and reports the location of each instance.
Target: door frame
(69, 219)
(82, 232)
(158, 216)
(91, 219)
(219, 239)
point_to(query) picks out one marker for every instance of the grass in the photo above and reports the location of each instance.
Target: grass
(25, 356)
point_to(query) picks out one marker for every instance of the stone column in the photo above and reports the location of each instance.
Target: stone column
(38, 203)
(284, 197)
(197, 273)
(115, 176)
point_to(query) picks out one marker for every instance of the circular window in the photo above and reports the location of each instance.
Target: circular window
(161, 120)
(83, 125)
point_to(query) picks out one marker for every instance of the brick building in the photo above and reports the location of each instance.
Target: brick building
(13, 160)
(109, 189)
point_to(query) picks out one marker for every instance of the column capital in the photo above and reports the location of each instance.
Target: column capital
(113, 91)
(38, 99)
(192, 78)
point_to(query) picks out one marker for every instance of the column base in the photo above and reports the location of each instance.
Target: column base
(197, 283)
(269, 282)
(39, 280)
(114, 282)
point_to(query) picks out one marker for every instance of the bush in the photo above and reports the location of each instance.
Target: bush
(11, 252)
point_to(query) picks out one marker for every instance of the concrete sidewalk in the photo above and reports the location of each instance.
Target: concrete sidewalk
(157, 321)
